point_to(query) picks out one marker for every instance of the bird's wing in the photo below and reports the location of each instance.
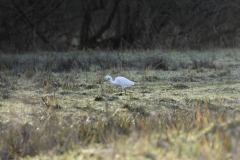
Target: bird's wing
(123, 80)
(119, 79)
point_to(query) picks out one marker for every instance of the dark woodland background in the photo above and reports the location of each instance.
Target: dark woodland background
(60, 25)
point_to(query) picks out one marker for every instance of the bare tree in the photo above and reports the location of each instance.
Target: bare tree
(29, 25)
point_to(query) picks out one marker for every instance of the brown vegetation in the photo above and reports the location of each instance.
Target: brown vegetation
(174, 111)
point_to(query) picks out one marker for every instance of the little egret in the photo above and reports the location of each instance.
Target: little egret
(120, 81)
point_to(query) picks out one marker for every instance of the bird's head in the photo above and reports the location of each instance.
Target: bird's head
(107, 78)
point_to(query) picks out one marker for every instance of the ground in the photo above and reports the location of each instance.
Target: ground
(184, 105)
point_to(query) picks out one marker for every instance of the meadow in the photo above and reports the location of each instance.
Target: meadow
(184, 105)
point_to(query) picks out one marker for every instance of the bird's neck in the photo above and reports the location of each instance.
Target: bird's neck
(112, 81)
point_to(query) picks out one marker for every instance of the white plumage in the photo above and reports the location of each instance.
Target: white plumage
(120, 81)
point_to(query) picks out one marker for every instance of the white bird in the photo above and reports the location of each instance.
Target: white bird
(120, 81)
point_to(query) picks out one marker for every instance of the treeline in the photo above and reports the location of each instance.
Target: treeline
(30, 25)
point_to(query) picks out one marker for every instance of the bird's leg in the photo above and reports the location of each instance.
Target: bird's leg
(121, 93)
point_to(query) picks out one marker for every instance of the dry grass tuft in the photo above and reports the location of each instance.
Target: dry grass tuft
(183, 113)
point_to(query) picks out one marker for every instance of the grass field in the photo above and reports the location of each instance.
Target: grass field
(184, 105)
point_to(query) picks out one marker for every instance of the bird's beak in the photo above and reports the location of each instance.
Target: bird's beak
(103, 80)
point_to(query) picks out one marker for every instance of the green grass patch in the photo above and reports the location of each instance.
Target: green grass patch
(184, 105)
